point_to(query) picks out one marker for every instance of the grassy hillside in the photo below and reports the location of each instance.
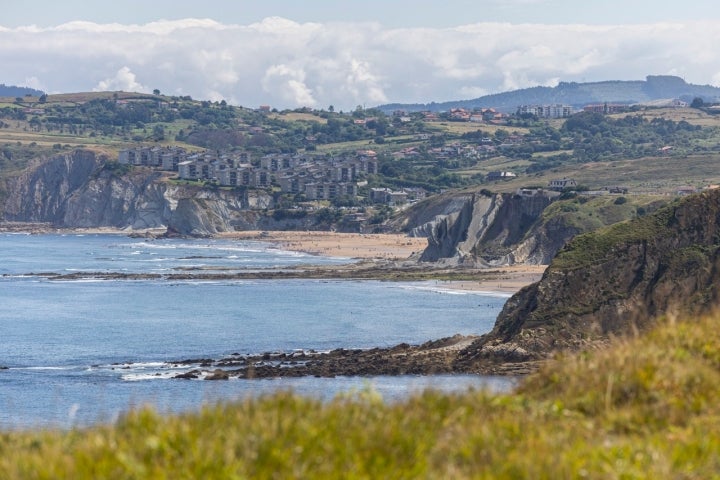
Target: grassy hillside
(645, 408)
(413, 151)
(586, 214)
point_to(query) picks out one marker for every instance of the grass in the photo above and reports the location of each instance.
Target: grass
(660, 175)
(586, 213)
(644, 408)
(589, 248)
(298, 116)
(690, 115)
(458, 128)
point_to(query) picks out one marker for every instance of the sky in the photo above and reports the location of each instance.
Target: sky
(317, 53)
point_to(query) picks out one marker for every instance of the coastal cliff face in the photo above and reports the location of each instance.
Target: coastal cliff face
(499, 229)
(614, 282)
(83, 190)
(77, 190)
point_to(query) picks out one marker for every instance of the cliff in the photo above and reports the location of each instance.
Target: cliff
(83, 190)
(614, 282)
(491, 229)
(80, 190)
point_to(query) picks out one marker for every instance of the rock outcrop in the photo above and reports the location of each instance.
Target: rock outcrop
(492, 229)
(614, 282)
(77, 190)
(83, 190)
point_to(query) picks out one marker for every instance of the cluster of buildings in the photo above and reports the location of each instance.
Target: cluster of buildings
(606, 108)
(316, 177)
(448, 152)
(546, 111)
(478, 115)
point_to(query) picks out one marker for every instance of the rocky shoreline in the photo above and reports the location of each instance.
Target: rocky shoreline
(444, 356)
(452, 355)
(497, 280)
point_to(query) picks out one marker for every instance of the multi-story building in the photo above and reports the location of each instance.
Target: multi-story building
(546, 111)
(317, 177)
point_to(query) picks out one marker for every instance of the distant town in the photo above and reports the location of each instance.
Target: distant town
(313, 177)
(310, 177)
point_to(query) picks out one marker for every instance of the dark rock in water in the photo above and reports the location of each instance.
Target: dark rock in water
(193, 361)
(218, 374)
(191, 375)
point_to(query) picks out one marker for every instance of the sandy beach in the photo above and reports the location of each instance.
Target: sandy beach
(505, 280)
(351, 245)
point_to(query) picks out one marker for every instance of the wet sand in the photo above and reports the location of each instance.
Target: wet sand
(332, 244)
(504, 280)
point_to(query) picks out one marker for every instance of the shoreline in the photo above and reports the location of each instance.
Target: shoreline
(388, 247)
(380, 256)
(505, 280)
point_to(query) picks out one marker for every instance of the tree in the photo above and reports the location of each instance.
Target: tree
(156, 92)
(159, 133)
(697, 103)
(43, 98)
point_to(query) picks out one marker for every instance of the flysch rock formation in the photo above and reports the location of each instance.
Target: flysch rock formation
(75, 190)
(486, 229)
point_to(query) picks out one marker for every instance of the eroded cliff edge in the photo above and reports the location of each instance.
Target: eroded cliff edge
(84, 189)
(613, 282)
(486, 229)
(79, 190)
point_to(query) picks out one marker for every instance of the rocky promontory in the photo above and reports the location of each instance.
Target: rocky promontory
(611, 283)
(615, 282)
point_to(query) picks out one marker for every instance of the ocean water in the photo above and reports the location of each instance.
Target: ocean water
(82, 352)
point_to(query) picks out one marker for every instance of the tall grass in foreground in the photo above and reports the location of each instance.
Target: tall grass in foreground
(647, 408)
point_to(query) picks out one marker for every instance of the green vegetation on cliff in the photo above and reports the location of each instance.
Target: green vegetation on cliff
(645, 408)
(595, 246)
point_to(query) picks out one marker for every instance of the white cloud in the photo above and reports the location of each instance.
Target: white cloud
(124, 80)
(289, 84)
(288, 64)
(469, 91)
(33, 82)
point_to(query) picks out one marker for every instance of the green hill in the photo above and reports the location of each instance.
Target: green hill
(13, 91)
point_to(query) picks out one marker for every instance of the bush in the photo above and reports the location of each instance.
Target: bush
(282, 214)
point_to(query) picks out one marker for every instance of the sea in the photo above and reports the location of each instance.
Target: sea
(82, 352)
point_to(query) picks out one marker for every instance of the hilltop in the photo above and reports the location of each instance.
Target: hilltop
(654, 87)
(13, 91)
